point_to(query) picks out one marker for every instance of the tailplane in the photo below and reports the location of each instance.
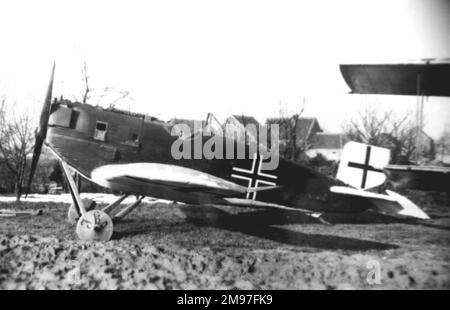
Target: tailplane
(391, 203)
(409, 207)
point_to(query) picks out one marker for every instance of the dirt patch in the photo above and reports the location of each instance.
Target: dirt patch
(169, 246)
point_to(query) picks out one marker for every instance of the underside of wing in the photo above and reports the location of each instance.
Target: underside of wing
(178, 178)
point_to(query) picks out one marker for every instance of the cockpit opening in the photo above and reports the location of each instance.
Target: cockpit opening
(100, 131)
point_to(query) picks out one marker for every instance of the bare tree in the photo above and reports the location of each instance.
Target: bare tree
(16, 144)
(381, 128)
(402, 137)
(370, 126)
(443, 146)
(289, 144)
(105, 96)
(86, 89)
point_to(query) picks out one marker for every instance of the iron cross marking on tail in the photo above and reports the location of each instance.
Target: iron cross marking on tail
(365, 167)
(254, 176)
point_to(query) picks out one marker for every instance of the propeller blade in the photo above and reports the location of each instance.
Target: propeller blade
(41, 133)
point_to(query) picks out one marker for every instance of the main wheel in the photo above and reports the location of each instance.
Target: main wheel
(72, 213)
(95, 225)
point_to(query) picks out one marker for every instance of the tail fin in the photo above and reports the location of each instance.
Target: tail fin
(362, 165)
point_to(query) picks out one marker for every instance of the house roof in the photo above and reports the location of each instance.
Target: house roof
(239, 123)
(245, 120)
(213, 124)
(423, 134)
(190, 123)
(305, 126)
(328, 141)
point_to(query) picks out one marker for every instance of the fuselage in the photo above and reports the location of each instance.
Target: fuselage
(88, 137)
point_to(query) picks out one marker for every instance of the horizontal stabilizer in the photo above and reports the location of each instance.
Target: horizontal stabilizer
(390, 204)
(409, 208)
(358, 192)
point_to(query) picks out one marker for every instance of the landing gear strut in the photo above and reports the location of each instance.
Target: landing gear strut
(72, 214)
(93, 224)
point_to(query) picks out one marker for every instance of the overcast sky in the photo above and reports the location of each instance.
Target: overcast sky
(187, 58)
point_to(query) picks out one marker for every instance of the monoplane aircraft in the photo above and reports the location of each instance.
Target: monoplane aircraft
(131, 154)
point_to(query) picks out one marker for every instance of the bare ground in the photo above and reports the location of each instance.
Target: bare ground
(172, 246)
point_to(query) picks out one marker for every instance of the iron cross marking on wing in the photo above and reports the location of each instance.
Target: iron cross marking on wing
(365, 167)
(254, 176)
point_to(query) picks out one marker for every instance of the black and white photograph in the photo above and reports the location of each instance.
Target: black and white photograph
(225, 147)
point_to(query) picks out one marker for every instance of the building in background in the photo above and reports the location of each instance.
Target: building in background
(193, 126)
(235, 125)
(302, 138)
(328, 145)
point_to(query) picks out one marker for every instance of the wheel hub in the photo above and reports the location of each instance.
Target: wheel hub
(95, 225)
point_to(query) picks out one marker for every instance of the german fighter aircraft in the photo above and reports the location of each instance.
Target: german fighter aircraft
(131, 154)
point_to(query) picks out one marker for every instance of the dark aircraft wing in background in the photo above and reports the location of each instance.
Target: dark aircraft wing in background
(420, 177)
(428, 78)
